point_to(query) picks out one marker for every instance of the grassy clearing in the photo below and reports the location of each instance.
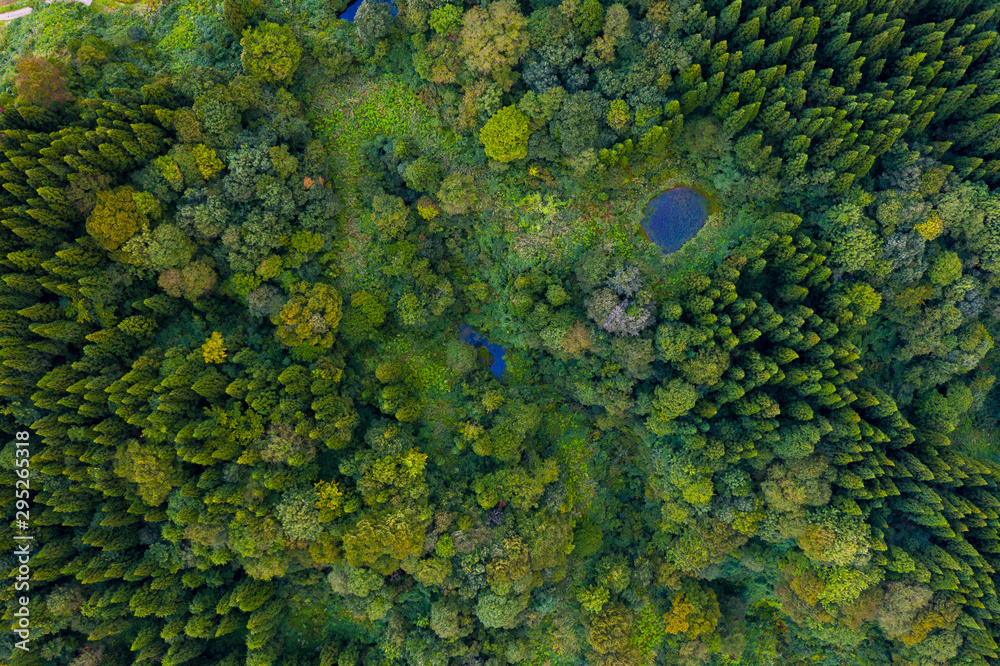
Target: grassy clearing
(535, 227)
(356, 110)
(349, 115)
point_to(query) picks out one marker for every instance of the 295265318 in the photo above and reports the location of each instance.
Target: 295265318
(22, 548)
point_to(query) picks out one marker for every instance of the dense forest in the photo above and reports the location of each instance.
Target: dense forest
(250, 254)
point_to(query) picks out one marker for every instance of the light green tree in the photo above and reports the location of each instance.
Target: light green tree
(671, 400)
(151, 468)
(372, 21)
(495, 611)
(389, 214)
(617, 114)
(947, 268)
(493, 39)
(443, 18)
(505, 135)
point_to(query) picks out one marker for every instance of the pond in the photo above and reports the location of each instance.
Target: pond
(349, 13)
(489, 352)
(674, 217)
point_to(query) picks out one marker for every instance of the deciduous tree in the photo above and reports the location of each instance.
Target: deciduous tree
(115, 218)
(505, 135)
(372, 21)
(271, 52)
(493, 39)
(310, 317)
(40, 81)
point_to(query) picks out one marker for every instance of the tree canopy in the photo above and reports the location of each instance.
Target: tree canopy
(326, 343)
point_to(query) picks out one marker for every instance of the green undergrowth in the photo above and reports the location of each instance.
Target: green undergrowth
(185, 32)
(431, 373)
(355, 111)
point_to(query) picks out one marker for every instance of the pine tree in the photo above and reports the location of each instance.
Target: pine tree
(729, 19)
(740, 117)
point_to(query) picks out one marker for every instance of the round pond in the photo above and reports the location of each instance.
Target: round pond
(674, 217)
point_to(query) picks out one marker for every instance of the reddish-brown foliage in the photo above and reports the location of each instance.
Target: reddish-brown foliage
(40, 81)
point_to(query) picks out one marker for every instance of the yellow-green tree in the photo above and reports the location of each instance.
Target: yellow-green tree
(617, 114)
(310, 317)
(207, 160)
(457, 194)
(389, 214)
(393, 478)
(670, 401)
(393, 535)
(947, 268)
(611, 634)
(40, 81)
(151, 468)
(193, 281)
(115, 218)
(214, 349)
(270, 52)
(505, 135)
(238, 14)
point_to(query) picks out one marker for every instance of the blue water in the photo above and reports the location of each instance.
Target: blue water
(494, 352)
(674, 217)
(349, 13)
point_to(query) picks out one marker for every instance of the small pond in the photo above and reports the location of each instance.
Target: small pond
(349, 13)
(489, 352)
(674, 217)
